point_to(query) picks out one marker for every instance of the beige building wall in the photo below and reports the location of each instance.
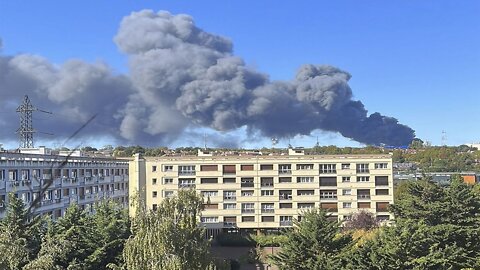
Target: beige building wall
(252, 192)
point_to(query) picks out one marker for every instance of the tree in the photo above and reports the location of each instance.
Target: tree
(362, 220)
(436, 228)
(313, 243)
(20, 235)
(168, 237)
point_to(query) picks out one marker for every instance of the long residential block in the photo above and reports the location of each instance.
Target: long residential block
(267, 191)
(50, 183)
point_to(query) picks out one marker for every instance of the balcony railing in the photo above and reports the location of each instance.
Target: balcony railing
(247, 184)
(328, 171)
(363, 171)
(285, 171)
(287, 197)
(229, 198)
(183, 173)
(229, 224)
(286, 223)
(248, 211)
(363, 196)
(268, 210)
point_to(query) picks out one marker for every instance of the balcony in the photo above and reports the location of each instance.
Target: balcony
(247, 184)
(229, 198)
(285, 171)
(363, 171)
(229, 224)
(363, 197)
(285, 197)
(268, 210)
(285, 223)
(186, 173)
(248, 211)
(330, 171)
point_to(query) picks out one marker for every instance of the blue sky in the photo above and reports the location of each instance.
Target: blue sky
(418, 61)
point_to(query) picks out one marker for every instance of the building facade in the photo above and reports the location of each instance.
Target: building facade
(52, 182)
(268, 192)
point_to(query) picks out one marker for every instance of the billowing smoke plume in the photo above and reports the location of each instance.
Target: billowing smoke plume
(181, 76)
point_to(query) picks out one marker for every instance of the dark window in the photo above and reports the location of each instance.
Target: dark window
(208, 168)
(381, 192)
(211, 206)
(364, 205)
(246, 167)
(285, 205)
(248, 219)
(229, 180)
(230, 219)
(268, 219)
(382, 206)
(381, 180)
(209, 180)
(229, 169)
(285, 179)
(266, 167)
(329, 207)
(328, 181)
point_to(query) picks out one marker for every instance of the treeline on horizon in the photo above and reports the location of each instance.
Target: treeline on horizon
(425, 157)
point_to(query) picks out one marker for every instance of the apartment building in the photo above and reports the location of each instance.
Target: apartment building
(267, 191)
(60, 179)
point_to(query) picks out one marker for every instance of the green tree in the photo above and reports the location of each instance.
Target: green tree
(436, 228)
(20, 235)
(169, 237)
(313, 243)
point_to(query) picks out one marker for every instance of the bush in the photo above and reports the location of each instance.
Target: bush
(269, 240)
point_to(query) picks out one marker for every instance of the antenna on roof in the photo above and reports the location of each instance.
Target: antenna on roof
(26, 130)
(205, 141)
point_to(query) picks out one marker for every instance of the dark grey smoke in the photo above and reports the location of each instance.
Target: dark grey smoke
(182, 77)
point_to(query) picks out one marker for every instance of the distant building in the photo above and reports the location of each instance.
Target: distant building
(55, 181)
(244, 192)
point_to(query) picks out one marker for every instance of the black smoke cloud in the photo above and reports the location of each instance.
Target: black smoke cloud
(181, 77)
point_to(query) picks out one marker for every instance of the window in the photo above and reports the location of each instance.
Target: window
(267, 208)
(304, 166)
(229, 206)
(329, 207)
(268, 219)
(186, 170)
(248, 219)
(363, 179)
(266, 182)
(363, 194)
(210, 206)
(328, 168)
(247, 193)
(285, 205)
(266, 167)
(345, 179)
(154, 207)
(167, 181)
(381, 165)
(305, 205)
(381, 180)
(246, 182)
(154, 168)
(382, 206)
(362, 168)
(286, 220)
(285, 194)
(210, 193)
(168, 193)
(364, 205)
(347, 205)
(267, 192)
(154, 181)
(154, 194)
(229, 195)
(328, 181)
(229, 180)
(345, 166)
(246, 167)
(227, 169)
(383, 217)
(208, 168)
(208, 180)
(284, 179)
(305, 192)
(381, 192)
(305, 179)
(248, 207)
(189, 182)
(209, 219)
(284, 168)
(168, 168)
(346, 192)
(328, 194)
